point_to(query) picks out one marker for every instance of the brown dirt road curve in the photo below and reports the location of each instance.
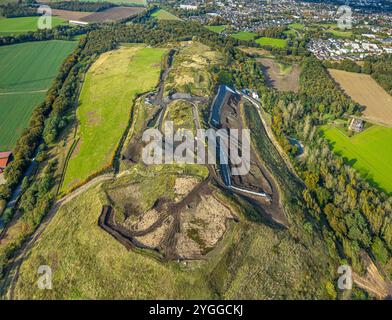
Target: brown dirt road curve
(7, 287)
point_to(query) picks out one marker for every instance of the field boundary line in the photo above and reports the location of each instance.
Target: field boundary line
(23, 92)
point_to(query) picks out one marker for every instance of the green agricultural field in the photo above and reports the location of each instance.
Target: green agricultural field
(161, 14)
(110, 86)
(370, 152)
(26, 72)
(244, 35)
(217, 29)
(10, 26)
(273, 42)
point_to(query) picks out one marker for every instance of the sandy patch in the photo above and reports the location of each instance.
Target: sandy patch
(154, 239)
(281, 81)
(2, 179)
(143, 222)
(187, 248)
(184, 185)
(204, 225)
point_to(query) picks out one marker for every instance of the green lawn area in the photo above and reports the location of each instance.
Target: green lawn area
(23, 24)
(217, 29)
(290, 32)
(26, 72)
(273, 42)
(340, 33)
(105, 103)
(333, 29)
(161, 14)
(244, 35)
(297, 26)
(370, 152)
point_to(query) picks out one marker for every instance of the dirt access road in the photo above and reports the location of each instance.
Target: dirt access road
(12, 273)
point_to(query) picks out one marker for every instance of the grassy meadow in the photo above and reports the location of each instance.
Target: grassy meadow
(105, 103)
(297, 26)
(244, 35)
(9, 26)
(26, 72)
(161, 14)
(273, 42)
(88, 263)
(217, 29)
(370, 152)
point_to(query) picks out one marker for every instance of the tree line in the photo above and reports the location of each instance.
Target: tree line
(13, 10)
(358, 216)
(60, 32)
(82, 6)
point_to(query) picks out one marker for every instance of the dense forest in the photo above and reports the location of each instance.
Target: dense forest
(13, 10)
(380, 68)
(82, 6)
(357, 215)
(61, 32)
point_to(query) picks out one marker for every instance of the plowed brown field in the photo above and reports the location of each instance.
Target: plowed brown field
(364, 90)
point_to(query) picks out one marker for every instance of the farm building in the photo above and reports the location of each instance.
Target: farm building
(356, 125)
(78, 23)
(5, 158)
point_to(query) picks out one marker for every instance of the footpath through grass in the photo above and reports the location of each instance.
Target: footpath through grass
(105, 103)
(26, 72)
(370, 152)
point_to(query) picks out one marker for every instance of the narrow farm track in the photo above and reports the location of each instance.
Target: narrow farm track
(12, 273)
(22, 92)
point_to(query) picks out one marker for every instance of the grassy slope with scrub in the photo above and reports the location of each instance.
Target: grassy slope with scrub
(110, 87)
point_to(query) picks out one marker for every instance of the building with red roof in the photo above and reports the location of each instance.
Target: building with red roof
(5, 158)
